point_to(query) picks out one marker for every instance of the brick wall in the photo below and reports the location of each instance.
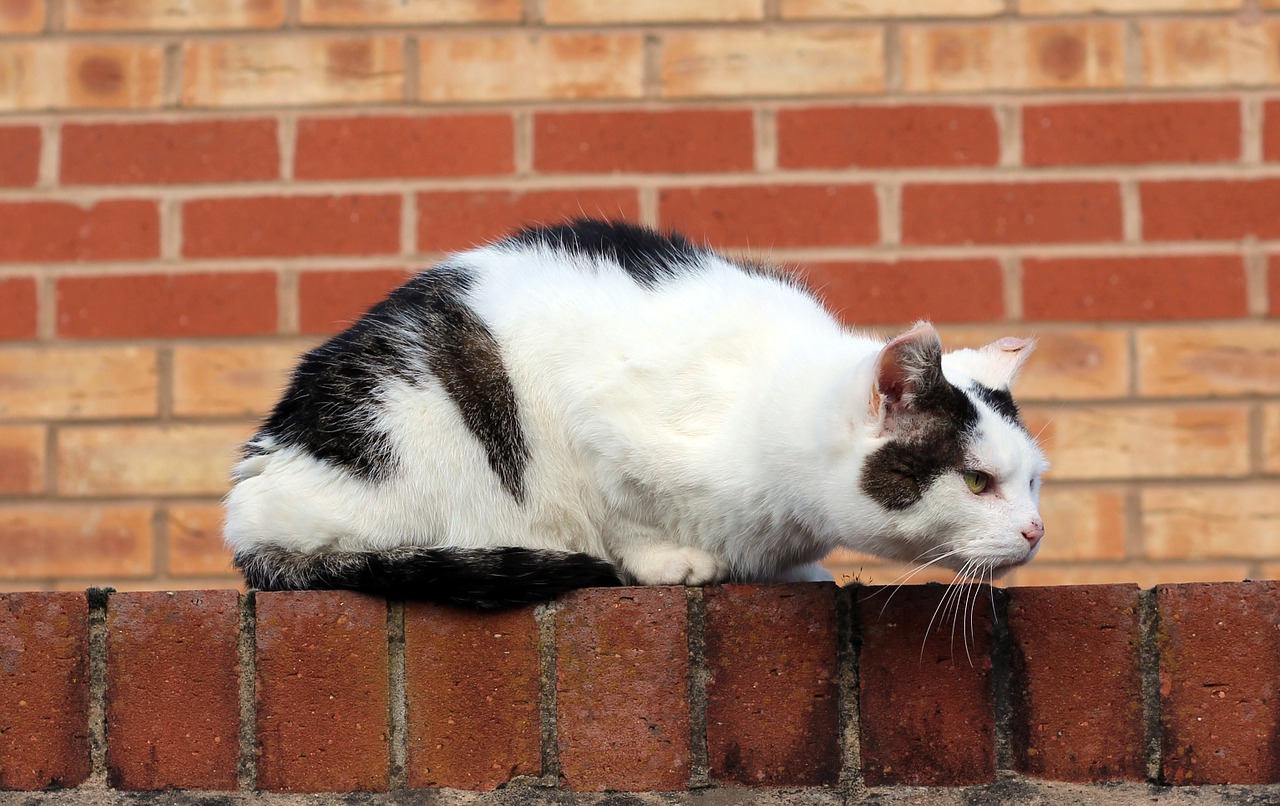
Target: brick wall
(191, 193)
(849, 693)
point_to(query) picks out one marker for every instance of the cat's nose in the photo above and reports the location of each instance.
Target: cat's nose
(1034, 532)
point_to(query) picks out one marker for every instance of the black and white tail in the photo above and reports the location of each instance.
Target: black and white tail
(481, 578)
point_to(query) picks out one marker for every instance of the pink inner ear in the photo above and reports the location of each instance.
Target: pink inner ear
(1011, 344)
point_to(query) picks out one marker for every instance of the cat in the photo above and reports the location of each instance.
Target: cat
(596, 403)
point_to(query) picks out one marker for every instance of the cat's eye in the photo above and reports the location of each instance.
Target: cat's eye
(976, 481)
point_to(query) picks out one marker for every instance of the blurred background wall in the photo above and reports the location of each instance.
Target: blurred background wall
(193, 192)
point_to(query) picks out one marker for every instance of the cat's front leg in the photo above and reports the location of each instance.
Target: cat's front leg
(671, 564)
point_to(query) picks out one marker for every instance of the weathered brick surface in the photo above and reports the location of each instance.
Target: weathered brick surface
(80, 75)
(77, 382)
(1143, 288)
(120, 460)
(19, 155)
(772, 702)
(644, 142)
(42, 231)
(169, 153)
(622, 689)
(1076, 685)
(587, 12)
(1190, 210)
(1207, 522)
(1207, 52)
(827, 9)
(927, 717)
(1193, 361)
(1219, 660)
(1082, 524)
(390, 147)
(329, 301)
(22, 16)
(321, 692)
(167, 305)
(18, 315)
(472, 686)
(279, 226)
(1103, 134)
(173, 690)
(1271, 437)
(887, 136)
(44, 684)
(1011, 213)
(865, 292)
(398, 12)
(1071, 363)
(123, 15)
(766, 216)
(194, 546)
(243, 380)
(22, 459)
(452, 220)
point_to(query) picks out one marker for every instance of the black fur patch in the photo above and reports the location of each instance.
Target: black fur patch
(1001, 402)
(482, 578)
(897, 474)
(648, 256)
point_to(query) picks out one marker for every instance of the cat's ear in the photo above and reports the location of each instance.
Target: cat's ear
(907, 369)
(1001, 360)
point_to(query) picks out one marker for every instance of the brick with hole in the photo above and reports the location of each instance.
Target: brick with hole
(887, 137)
(766, 216)
(172, 305)
(46, 231)
(669, 141)
(454, 220)
(169, 153)
(19, 156)
(1131, 133)
(1134, 288)
(395, 147)
(871, 292)
(47, 74)
(291, 226)
(1210, 209)
(173, 690)
(1011, 213)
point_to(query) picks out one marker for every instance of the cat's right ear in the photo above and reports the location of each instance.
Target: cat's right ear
(906, 369)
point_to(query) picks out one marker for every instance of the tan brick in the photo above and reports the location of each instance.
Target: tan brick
(22, 459)
(854, 9)
(1123, 6)
(520, 66)
(21, 16)
(72, 540)
(268, 72)
(147, 459)
(1209, 52)
(195, 546)
(1122, 442)
(1082, 524)
(602, 12)
(1144, 573)
(1271, 437)
(778, 62)
(232, 380)
(407, 12)
(75, 382)
(1194, 361)
(1067, 364)
(962, 58)
(57, 75)
(1211, 522)
(172, 15)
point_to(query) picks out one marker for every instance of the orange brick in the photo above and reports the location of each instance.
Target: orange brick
(520, 66)
(407, 12)
(1068, 364)
(72, 540)
(195, 546)
(147, 459)
(1123, 6)
(21, 16)
(603, 12)
(237, 380)
(1082, 524)
(838, 9)
(1145, 573)
(1209, 52)
(1271, 437)
(268, 72)
(171, 15)
(22, 459)
(1211, 522)
(57, 75)
(960, 58)
(1121, 442)
(1197, 361)
(71, 382)
(777, 62)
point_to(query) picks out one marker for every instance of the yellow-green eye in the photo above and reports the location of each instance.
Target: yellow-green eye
(976, 480)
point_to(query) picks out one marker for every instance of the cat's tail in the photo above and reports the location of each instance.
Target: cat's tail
(482, 578)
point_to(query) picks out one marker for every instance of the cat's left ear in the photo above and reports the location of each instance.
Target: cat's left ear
(1001, 360)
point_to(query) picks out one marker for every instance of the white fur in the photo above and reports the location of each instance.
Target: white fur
(712, 427)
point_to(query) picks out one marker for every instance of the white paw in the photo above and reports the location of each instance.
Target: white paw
(676, 565)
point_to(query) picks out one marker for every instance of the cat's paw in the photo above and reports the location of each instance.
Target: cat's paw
(676, 565)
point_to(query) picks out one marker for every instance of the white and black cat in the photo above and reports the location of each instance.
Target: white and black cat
(596, 403)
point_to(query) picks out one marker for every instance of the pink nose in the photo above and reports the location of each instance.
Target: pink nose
(1034, 532)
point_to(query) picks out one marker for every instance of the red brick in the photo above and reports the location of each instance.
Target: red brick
(1062, 212)
(44, 685)
(1131, 133)
(169, 153)
(173, 690)
(867, 293)
(887, 137)
(1273, 286)
(449, 221)
(1219, 660)
(321, 692)
(17, 308)
(1271, 131)
(622, 682)
(1077, 687)
(927, 716)
(331, 300)
(1221, 209)
(19, 156)
(765, 216)
(39, 231)
(396, 147)
(773, 716)
(166, 305)
(686, 141)
(291, 226)
(472, 685)
(1142, 288)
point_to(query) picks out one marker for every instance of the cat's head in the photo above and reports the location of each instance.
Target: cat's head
(951, 466)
